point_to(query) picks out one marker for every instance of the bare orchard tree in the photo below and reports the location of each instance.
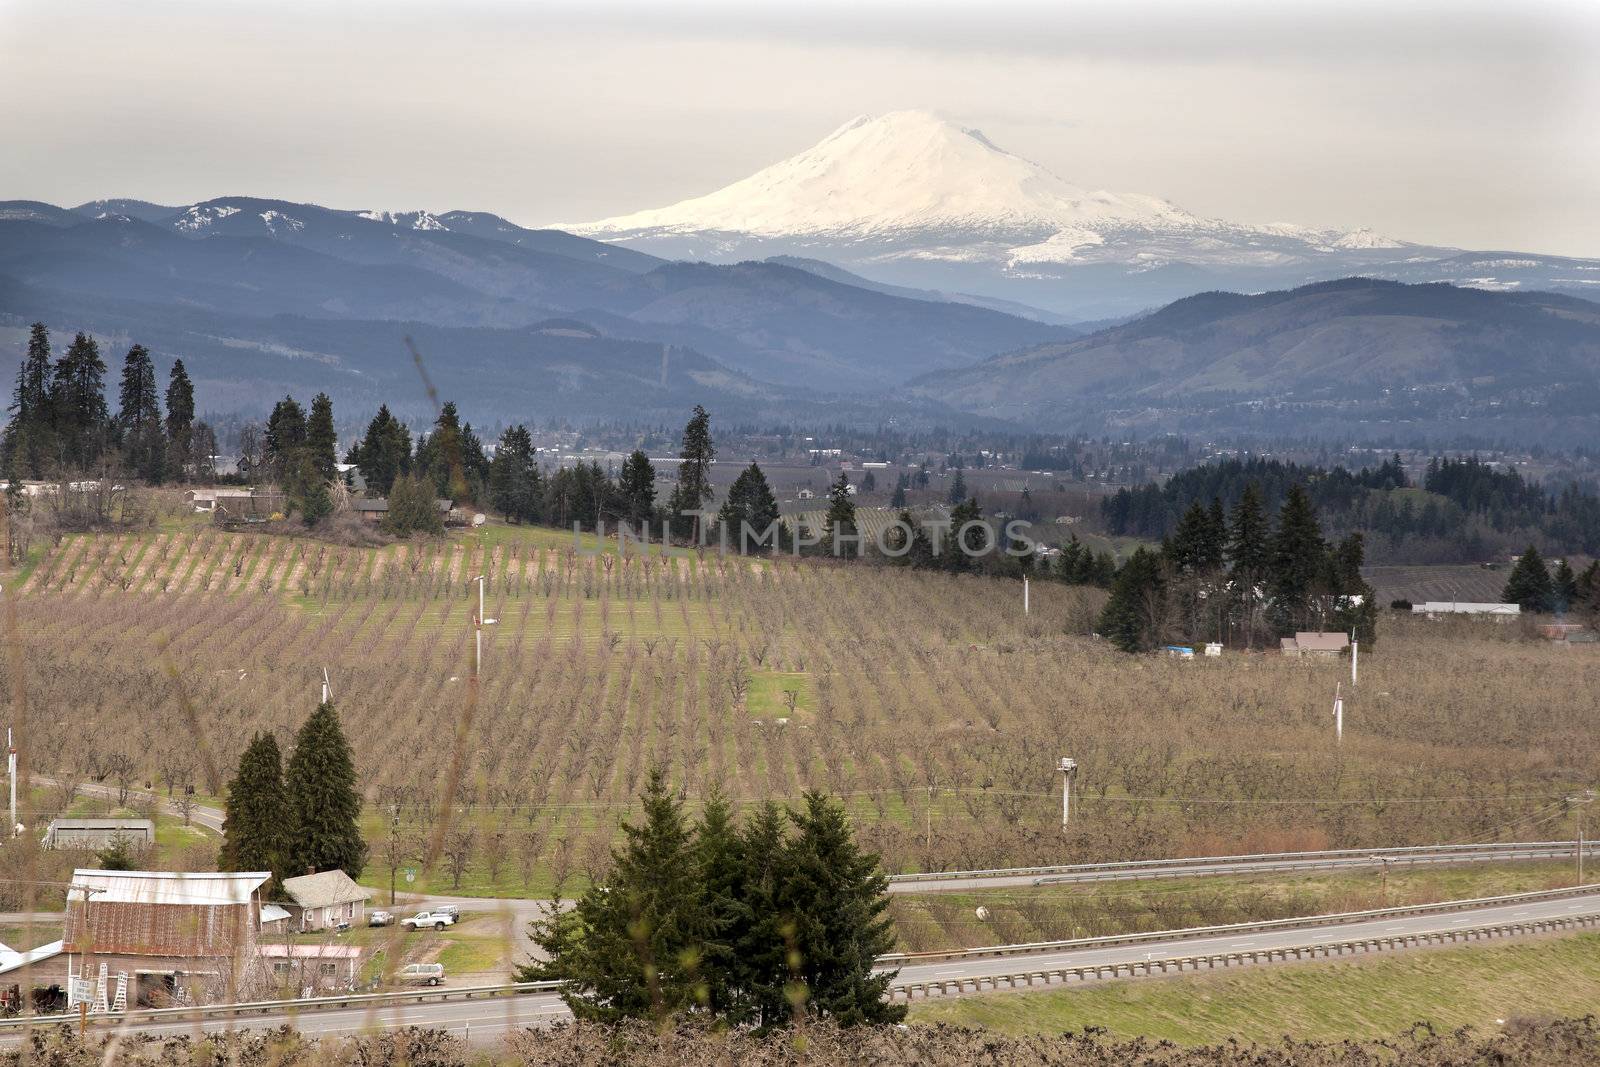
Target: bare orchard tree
(458, 847)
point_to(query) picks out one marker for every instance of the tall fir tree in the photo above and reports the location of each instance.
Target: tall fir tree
(1529, 585)
(324, 799)
(383, 454)
(633, 945)
(1131, 617)
(836, 897)
(958, 489)
(80, 419)
(139, 416)
(693, 490)
(180, 421)
(719, 851)
(840, 522)
(256, 815)
(322, 439)
(29, 443)
(1295, 563)
(636, 490)
(1248, 559)
(1563, 588)
(284, 438)
(750, 511)
(514, 477)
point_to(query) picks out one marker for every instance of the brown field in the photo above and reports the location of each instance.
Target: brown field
(929, 702)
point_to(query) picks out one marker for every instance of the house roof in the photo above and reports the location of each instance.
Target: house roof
(165, 887)
(321, 890)
(369, 504)
(311, 952)
(1465, 608)
(271, 913)
(1314, 641)
(11, 960)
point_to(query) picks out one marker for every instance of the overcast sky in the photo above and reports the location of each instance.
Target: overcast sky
(1471, 124)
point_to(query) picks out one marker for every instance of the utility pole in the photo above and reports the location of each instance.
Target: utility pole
(11, 773)
(479, 622)
(327, 686)
(1025, 594)
(1581, 801)
(1355, 659)
(1338, 714)
(1069, 771)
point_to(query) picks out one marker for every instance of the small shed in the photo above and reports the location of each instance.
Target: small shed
(1316, 644)
(324, 901)
(99, 833)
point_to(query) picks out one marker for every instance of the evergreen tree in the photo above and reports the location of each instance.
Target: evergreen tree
(1130, 619)
(180, 421)
(29, 442)
(139, 416)
(383, 454)
(119, 855)
(763, 938)
(749, 511)
(285, 437)
(308, 491)
(958, 489)
(412, 508)
(1586, 590)
(633, 945)
(1193, 548)
(694, 475)
(256, 815)
(836, 897)
(636, 490)
(324, 799)
(719, 851)
(80, 420)
(1296, 561)
(1529, 584)
(1248, 540)
(840, 522)
(322, 439)
(1355, 607)
(1563, 588)
(898, 498)
(439, 456)
(514, 477)
(966, 542)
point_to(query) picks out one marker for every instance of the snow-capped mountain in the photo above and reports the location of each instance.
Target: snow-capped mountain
(913, 199)
(912, 177)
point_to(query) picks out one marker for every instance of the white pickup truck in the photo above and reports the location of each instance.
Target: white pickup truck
(436, 919)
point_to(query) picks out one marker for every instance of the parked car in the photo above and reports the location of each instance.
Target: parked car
(422, 974)
(450, 910)
(436, 919)
(380, 918)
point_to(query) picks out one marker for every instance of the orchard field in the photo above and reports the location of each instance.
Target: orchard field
(930, 702)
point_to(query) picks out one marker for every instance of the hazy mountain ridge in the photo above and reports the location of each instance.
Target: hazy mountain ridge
(1349, 351)
(252, 259)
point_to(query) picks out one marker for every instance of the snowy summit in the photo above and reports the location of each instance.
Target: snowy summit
(918, 185)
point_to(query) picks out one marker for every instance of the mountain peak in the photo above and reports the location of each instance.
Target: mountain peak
(891, 174)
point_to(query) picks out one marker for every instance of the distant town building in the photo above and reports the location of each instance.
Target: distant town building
(1315, 644)
(99, 833)
(1433, 609)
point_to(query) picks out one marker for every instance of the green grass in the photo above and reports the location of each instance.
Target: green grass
(1330, 1001)
(926, 922)
(766, 695)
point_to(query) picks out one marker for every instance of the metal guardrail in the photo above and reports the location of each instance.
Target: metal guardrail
(944, 987)
(1180, 964)
(148, 1016)
(1264, 860)
(1193, 932)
